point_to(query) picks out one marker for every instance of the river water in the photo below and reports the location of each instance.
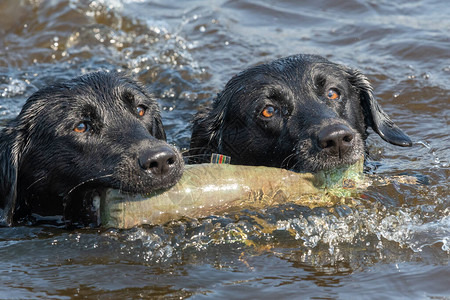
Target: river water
(394, 245)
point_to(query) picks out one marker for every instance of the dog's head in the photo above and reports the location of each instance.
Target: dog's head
(301, 112)
(100, 129)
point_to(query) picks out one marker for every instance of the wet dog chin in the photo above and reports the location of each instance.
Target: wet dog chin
(312, 164)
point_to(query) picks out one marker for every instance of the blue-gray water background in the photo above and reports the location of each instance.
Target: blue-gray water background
(396, 245)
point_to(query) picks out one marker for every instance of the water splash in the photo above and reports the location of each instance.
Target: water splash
(323, 235)
(437, 161)
(13, 87)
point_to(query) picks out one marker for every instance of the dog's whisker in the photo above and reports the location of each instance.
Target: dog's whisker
(87, 181)
(295, 166)
(195, 155)
(287, 160)
(185, 151)
(36, 181)
(197, 149)
(201, 148)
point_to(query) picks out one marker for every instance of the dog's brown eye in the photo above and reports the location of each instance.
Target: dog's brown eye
(333, 94)
(268, 111)
(81, 127)
(140, 110)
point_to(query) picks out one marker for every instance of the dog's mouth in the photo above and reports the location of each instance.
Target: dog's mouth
(82, 202)
(313, 157)
(146, 184)
(128, 177)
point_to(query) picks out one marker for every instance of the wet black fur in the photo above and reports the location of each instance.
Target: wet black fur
(296, 86)
(47, 168)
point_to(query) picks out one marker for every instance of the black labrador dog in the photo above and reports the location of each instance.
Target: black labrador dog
(72, 139)
(301, 112)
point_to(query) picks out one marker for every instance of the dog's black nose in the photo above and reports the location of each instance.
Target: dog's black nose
(336, 139)
(157, 160)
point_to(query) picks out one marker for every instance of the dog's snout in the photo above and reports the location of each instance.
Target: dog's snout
(336, 140)
(158, 161)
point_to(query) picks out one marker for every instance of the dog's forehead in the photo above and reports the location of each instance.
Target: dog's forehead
(102, 92)
(310, 68)
(294, 71)
(307, 76)
(100, 96)
(107, 90)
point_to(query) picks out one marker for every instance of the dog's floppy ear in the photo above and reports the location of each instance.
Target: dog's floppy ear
(205, 130)
(8, 177)
(208, 124)
(374, 115)
(158, 128)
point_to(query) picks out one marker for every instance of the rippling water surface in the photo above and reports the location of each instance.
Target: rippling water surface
(395, 244)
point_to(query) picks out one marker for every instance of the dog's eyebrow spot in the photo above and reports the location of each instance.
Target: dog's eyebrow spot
(284, 97)
(320, 81)
(128, 97)
(89, 111)
(276, 93)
